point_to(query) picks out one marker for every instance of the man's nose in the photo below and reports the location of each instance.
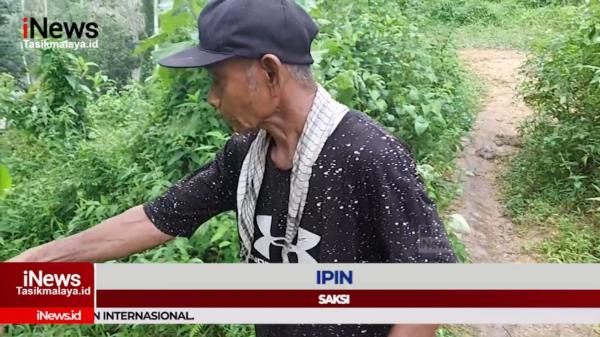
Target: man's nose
(213, 99)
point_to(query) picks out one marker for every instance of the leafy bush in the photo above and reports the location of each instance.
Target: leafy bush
(5, 180)
(555, 179)
(114, 56)
(541, 3)
(55, 107)
(406, 80)
(138, 141)
(462, 12)
(562, 140)
(119, 26)
(10, 53)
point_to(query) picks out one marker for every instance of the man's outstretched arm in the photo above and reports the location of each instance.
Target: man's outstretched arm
(120, 236)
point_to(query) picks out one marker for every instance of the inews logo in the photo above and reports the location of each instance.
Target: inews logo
(57, 292)
(36, 32)
(40, 283)
(47, 315)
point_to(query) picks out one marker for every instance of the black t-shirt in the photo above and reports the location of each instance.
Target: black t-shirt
(365, 203)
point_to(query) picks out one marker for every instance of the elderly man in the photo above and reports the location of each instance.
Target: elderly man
(311, 180)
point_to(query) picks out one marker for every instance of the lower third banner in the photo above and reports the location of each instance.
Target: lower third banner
(299, 293)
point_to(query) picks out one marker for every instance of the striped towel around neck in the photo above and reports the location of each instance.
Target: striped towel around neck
(324, 116)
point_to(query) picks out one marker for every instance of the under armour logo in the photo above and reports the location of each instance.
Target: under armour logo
(306, 241)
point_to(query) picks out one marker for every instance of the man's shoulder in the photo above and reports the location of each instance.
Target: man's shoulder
(358, 139)
(359, 134)
(238, 145)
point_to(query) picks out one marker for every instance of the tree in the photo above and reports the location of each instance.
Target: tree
(11, 54)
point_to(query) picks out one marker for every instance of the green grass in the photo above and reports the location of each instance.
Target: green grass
(498, 24)
(519, 28)
(569, 235)
(113, 330)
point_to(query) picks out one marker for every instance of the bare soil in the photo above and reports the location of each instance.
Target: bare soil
(493, 237)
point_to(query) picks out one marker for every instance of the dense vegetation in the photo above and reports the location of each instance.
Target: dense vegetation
(555, 180)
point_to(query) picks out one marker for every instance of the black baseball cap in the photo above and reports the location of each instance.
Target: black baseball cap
(249, 29)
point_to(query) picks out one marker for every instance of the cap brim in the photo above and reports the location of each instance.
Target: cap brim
(192, 58)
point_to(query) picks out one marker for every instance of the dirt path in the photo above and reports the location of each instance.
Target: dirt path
(494, 135)
(493, 237)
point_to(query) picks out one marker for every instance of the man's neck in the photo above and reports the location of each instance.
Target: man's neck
(285, 126)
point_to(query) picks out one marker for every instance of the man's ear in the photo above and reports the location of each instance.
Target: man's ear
(273, 68)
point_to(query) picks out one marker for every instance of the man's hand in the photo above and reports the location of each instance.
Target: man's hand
(413, 330)
(117, 237)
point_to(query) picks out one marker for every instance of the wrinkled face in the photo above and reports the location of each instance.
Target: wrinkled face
(243, 92)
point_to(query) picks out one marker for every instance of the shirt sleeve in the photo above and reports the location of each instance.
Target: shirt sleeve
(205, 193)
(405, 219)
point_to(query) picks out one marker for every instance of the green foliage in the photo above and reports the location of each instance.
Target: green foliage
(11, 60)
(498, 24)
(559, 165)
(445, 332)
(575, 243)
(147, 66)
(111, 330)
(562, 140)
(138, 142)
(54, 108)
(148, 10)
(406, 80)
(222, 331)
(307, 4)
(463, 12)
(131, 330)
(9, 95)
(114, 56)
(5, 180)
(119, 22)
(541, 3)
